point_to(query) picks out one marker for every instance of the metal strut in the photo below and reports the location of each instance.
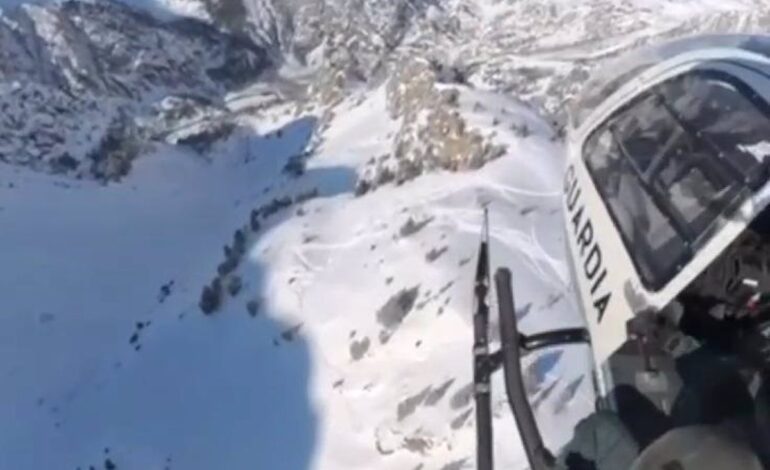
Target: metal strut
(538, 456)
(482, 367)
(513, 346)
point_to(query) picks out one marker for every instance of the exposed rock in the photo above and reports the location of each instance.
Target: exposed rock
(411, 226)
(435, 253)
(417, 444)
(234, 285)
(409, 405)
(460, 420)
(462, 397)
(397, 307)
(88, 76)
(227, 266)
(455, 465)
(291, 333)
(359, 348)
(438, 393)
(252, 306)
(211, 297)
(254, 221)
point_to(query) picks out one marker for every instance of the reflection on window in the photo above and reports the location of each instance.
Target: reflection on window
(672, 163)
(644, 227)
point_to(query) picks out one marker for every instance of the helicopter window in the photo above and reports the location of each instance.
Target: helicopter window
(673, 162)
(730, 118)
(597, 90)
(643, 225)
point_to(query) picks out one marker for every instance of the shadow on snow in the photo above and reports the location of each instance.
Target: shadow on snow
(203, 392)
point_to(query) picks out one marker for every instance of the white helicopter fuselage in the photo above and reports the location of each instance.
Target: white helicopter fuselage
(610, 285)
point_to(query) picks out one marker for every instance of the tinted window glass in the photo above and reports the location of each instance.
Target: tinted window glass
(643, 226)
(673, 163)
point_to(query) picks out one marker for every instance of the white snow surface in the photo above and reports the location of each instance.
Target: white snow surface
(86, 262)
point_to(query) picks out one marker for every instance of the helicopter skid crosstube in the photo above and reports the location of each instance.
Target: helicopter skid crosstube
(513, 346)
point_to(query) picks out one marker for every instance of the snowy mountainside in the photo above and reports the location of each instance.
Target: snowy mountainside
(326, 215)
(76, 76)
(409, 250)
(539, 51)
(346, 342)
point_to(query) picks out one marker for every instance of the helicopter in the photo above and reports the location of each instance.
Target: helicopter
(667, 219)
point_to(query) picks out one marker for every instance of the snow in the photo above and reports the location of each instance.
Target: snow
(760, 150)
(162, 9)
(100, 255)
(88, 262)
(333, 372)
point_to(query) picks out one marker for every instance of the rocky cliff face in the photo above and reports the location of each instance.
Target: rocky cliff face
(74, 76)
(538, 51)
(78, 78)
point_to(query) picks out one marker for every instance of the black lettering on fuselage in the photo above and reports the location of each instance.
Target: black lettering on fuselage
(585, 237)
(593, 262)
(588, 249)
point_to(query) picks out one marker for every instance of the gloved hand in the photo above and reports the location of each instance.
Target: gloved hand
(601, 442)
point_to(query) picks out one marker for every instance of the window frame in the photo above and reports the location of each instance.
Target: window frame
(737, 193)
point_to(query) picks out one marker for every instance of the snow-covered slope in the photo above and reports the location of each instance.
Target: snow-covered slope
(335, 204)
(538, 50)
(77, 79)
(358, 353)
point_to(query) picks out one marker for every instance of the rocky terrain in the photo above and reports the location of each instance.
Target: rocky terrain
(242, 232)
(79, 80)
(83, 84)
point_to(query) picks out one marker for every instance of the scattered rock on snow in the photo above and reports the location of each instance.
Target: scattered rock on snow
(252, 306)
(254, 221)
(306, 196)
(211, 297)
(445, 288)
(239, 243)
(455, 465)
(458, 421)
(409, 405)
(397, 307)
(435, 253)
(359, 348)
(462, 397)
(291, 333)
(417, 444)
(384, 336)
(165, 291)
(234, 285)
(275, 206)
(411, 227)
(227, 266)
(438, 393)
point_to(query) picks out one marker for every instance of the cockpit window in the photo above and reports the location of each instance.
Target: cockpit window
(598, 89)
(672, 164)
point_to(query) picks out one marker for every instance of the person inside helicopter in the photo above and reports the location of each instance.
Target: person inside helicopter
(720, 417)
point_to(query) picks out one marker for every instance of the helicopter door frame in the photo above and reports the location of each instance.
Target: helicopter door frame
(629, 296)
